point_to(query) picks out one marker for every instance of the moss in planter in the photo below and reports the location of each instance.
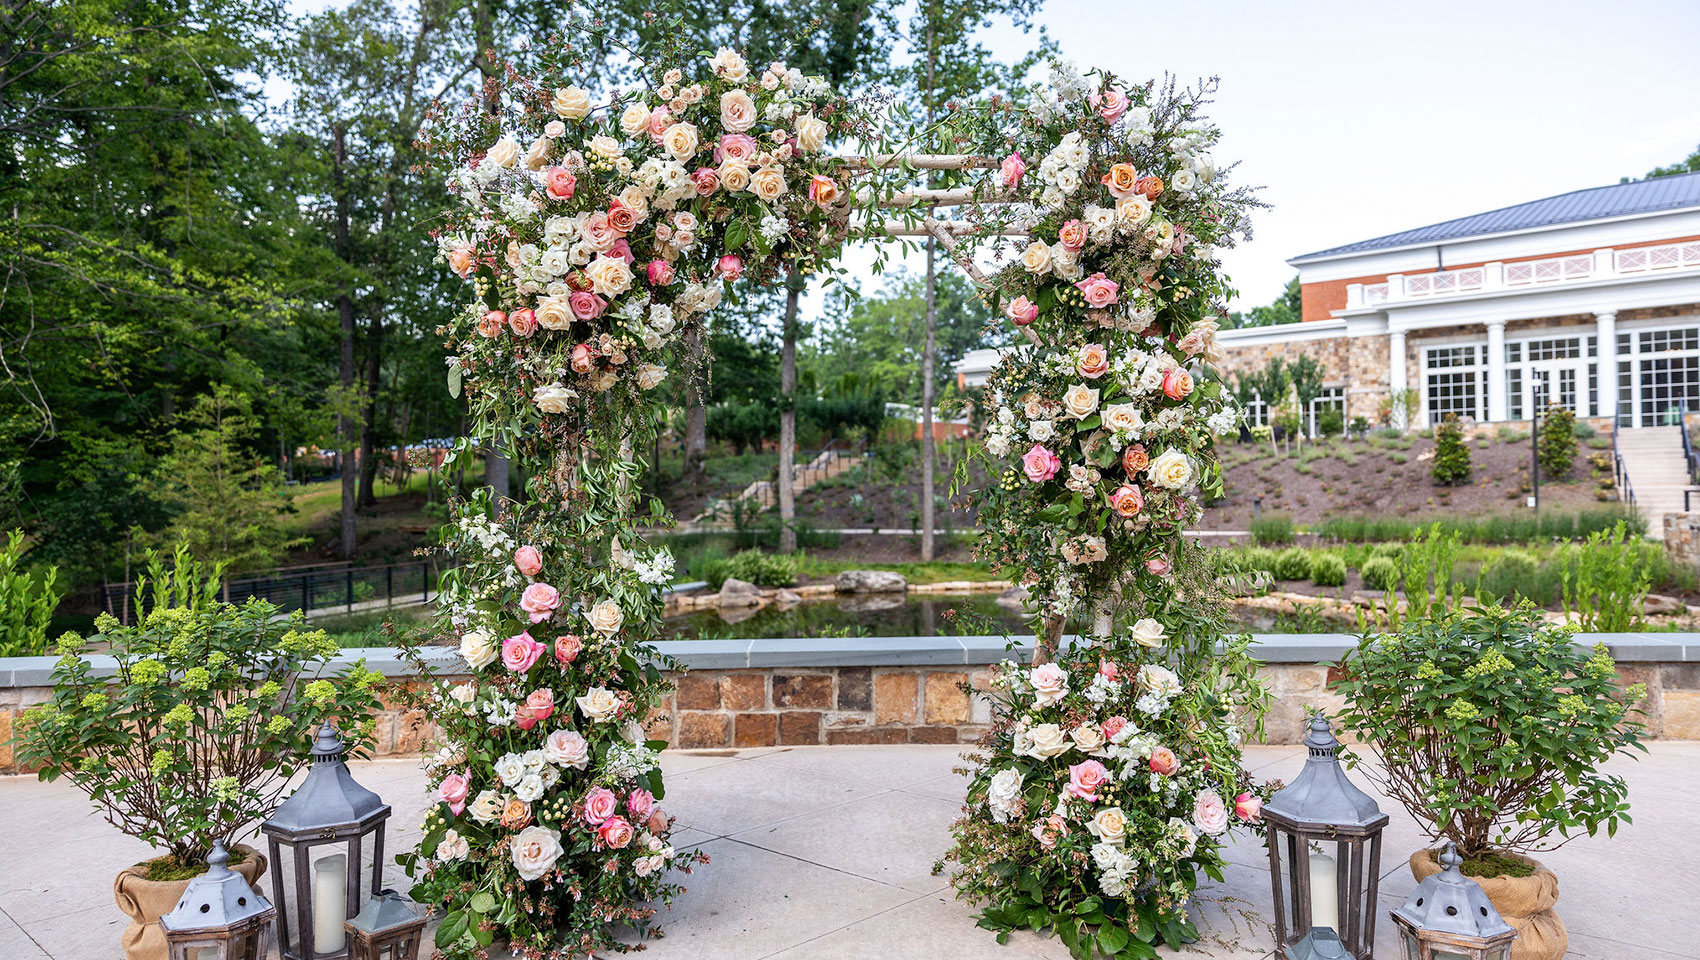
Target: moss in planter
(165, 869)
(1495, 864)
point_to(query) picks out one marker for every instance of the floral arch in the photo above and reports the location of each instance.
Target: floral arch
(594, 236)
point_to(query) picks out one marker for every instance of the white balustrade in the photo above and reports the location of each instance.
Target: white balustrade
(1571, 268)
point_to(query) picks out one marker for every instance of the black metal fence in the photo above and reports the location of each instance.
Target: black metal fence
(314, 589)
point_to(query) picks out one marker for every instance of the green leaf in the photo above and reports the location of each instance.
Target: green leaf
(453, 927)
(482, 902)
(736, 233)
(454, 381)
(1113, 940)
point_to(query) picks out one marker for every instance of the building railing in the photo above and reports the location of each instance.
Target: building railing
(313, 590)
(1601, 264)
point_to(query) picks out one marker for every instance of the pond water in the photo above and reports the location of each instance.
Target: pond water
(912, 615)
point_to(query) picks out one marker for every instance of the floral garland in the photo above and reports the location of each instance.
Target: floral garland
(593, 235)
(1103, 789)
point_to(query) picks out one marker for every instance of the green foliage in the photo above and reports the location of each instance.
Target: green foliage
(1557, 441)
(876, 340)
(1331, 423)
(753, 566)
(211, 708)
(1491, 729)
(1292, 563)
(1286, 308)
(1380, 573)
(1270, 528)
(1426, 575)
(1451, 453)
(27, 601)
(1606, 580)
(1328, 570)
(1519, 527)
(1688, 164)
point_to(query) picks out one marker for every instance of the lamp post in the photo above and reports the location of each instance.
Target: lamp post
(389, 927)
(219, 917)
(327, 845)
(1449, 917)
(1316, 889)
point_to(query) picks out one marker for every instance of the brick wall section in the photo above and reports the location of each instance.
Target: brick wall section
(730, 709)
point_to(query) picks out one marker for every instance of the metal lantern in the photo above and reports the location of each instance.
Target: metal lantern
(389, 927)
(1449, 917)
(1322, 888)
(1321, 943)
(327, 846)
(219, 917)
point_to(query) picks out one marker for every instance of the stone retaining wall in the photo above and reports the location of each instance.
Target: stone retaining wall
(756, 693)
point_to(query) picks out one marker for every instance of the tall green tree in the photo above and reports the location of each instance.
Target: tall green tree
(1688, 164)
(879, 338)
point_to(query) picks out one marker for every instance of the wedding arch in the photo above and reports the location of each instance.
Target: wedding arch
(595, 236)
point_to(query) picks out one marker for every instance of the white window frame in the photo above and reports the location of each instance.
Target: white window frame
(1634, 358)
(1478, 367)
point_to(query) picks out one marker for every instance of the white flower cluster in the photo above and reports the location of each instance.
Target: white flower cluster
(626, 761)
(487, 535)
(656, 570)
(1115, 867)
(1061, 170)
(527, 774)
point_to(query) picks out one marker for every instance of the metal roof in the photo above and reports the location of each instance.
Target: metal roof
(1595, 203)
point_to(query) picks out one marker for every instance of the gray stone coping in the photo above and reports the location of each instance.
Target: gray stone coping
(1275, 648)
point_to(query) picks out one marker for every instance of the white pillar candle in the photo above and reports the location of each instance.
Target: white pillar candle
(1324, 891)
(330, 902)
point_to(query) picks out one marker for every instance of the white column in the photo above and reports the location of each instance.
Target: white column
(1605, 329)
(1605, 264)
(1354, 296)
(1493, 275)
(1395, 286)
(1496, 370)
(1396, 371)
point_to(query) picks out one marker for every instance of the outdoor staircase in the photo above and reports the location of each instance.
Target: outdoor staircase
(1656, 471)
(764, 494)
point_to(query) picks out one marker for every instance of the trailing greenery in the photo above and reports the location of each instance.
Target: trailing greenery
(27, 601)
(1491, 729)
(1451, 453)
(1557, 445)
(1272, 528)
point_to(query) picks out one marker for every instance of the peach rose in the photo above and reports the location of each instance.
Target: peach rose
(1094, 361)
(460, 261)
(567, 647)
(1011, 170)
(734, 174)
(491, 324)
(1135, 459)
(1021, 311)
(609, 276)
(1072, 235)
(1099, 291)
(635, 118)
(823, 190)
(528, 560)
(621, 219)
(1122, 180)
(737, 111)
(523, 322)
(539, 601)
(582, 360)
(1151, 187)
(1177, 383)
(1127, 501)
(516, 813)
(1040, 464)
(768, 183)
(1248, 807)
(1163, 761)
(616, 832)
(503, 153)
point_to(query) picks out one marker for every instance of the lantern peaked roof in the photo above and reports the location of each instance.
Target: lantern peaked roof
(1321, 795)
(216, 900)
(1449, 902)
(387, 911)
(1651, 195)
(329, 797)
(1321, 943)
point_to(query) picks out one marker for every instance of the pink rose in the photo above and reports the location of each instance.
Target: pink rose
(454, 789)
(537, 707)
(640, 803)
(600, 804)
(1050, 830)
(1113, 726)
(1108, 670)
(528, 560)
(615, 833)
(523, 322)
(559, 182)
(1177, 383)
(567, 647)
(1099, 291)
(1159, 566)
(540, 600)
(491, 324)
(598, 232)
(1012, 168)
(1248, 807)
(1021, 311)
(659, 822)
(729, 267)
(738, 146)
(1209, 814)
(585, 306)
(520, 651)
(659, 120)
(1127, 501)
(1040, 464)
(1072, 235)
(660, 273)
(582, 358)
(1110, 104)
(622, 249)
(1163, 761)
(1086, 779)
(707, 180)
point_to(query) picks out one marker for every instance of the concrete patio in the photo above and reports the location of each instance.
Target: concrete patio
(827, 852)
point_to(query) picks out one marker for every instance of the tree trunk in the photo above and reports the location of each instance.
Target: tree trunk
(369, 416)
(1045, 645)
(928, 348)
(345, 367)
(788, 417)
(696, 409)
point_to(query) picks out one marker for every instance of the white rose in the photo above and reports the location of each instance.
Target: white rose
(571, 103)
(477, 648)
(1147, 632)
(609, 276)
(634, 119)
(599, 704)
(681, 141)
(1042, 430)
(1088, 738)
(811, 133)
(453, 846)
(606, 618)
(1171, 469)
(1050, 684)
(1109, 825)
(1183, 182)
(553, 398)
(463, 693)
(737, 111)
(1045, 741)
(510, 768)
(1037, 257)
(650, 375)
(486, 807)
(1123, 417)
(1003, 793)
(1159, 680)
(567, 748)
(503, 153)
(1080, 401)
(529, 788)
(535, 850)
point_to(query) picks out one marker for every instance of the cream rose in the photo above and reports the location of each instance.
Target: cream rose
(1109, 825)
(729, 64)
(478, 649)
(453, 846)
(1088, 739)
(734, 174)
(811, 133)
(1133, 211)
(1037, 257)
(609, 276)
(1080, 401)
(486, 807)
(1046, 740)
(598, 704)
(634, 119)
(681, 141)
(1171, 469)
(1003, 794)
(1049, 682)
(553, 398)
(1123, 417)
(606, 618)
(503, 153)
(737, 111)
(554, 313)
(650, 375)
(1146, 632)
(768, 183)
(571, 103)
(537, 155)
(605, 147)
(535, 850)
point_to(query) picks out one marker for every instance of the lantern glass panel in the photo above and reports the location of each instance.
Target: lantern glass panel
(330, 888)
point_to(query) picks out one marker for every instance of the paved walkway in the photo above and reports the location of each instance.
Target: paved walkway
(827, 852)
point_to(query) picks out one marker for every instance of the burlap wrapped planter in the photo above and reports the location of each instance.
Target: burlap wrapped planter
(144, 901)
(1525, 902)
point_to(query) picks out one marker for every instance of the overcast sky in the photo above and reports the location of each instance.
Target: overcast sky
(1365, 118)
